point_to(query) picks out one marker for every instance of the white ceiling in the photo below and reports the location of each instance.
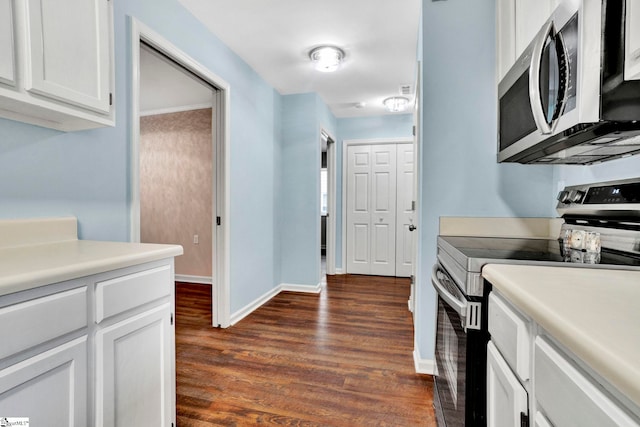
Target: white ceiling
(166, 87)
(274, 37)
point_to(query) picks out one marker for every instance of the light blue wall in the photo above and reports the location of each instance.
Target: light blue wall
(47, 173)
(304, 115)
(607, 171)
(460, 176)
(373, 127)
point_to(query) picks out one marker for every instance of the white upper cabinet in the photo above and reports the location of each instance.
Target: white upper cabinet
(530, 16)
(7, 54)
(69, 52)
(632, 42)
(517, 23)
(56, 66)
(505, 36)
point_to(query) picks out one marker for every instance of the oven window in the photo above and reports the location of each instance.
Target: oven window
(451, 355)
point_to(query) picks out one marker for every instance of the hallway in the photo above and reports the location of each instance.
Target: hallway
(343, 358)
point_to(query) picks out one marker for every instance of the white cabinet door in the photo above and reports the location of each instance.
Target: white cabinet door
(69, 58)
(505, 36)
(567, 397)
(530, 16)
(404, 212)
(7, 44)
(506, 398)
(50, 389)
(632, 42)
(134, 363)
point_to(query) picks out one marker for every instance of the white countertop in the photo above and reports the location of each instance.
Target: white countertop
(593, 312)
(27, 267)
(41, 251)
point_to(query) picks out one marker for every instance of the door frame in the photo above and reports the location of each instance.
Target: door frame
(331, 200)
(345, 145)
(220, 287)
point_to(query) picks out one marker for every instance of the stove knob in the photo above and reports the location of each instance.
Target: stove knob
(563, 196)
(575, 196)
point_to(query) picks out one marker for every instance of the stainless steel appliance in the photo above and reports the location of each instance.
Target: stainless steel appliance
(609, 211)
(567, 99)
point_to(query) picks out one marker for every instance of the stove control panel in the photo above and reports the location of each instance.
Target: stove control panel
(594, 199)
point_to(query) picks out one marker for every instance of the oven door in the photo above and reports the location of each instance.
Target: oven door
(460, 355)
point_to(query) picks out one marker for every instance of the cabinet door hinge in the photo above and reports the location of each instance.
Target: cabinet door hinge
(111, 98)
(524, 419)
(218, 220)
(172, 318)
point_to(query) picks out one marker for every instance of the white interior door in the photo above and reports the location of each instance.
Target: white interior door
(404, 210)
(383, 199)
(371, 209)
(358, 209)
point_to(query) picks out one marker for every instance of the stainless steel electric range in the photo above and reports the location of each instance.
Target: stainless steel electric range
(601, 229)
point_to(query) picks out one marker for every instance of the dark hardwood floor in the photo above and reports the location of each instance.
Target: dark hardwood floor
(342, 358)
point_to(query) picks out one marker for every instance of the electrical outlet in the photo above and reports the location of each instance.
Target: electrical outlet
(195, 239)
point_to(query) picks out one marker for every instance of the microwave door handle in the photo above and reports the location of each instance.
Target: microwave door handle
(459, 306)
(535, 98)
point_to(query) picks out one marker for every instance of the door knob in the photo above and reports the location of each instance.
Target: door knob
(412, 227)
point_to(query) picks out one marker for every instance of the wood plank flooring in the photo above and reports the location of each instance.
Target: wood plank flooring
(342, 358)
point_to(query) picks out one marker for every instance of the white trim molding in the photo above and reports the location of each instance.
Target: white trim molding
(310, 289)
(258, 302)
(194, 279)
(253, 306)
(221, 90)
(423, 366)
(179, 109)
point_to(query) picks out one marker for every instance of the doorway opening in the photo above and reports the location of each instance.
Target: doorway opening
(179, 162)
(378, 206)
(327, 206)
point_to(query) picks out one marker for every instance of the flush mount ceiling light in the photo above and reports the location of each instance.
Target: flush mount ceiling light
(326, 58)
(396, 103)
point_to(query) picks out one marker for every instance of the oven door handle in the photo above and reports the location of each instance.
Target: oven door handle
(459, 306)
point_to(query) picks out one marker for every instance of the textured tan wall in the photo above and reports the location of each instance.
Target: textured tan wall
(176, 185)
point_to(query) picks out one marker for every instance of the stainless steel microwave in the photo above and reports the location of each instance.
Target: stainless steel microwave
(567, 99)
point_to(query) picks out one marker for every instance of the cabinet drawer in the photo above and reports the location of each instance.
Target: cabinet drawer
(50, 389)
(42, 319)
(568, 397)
(510, 332)
(117, 295)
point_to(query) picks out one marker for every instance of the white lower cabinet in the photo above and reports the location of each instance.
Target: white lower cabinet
(567, 397)
(506, 397)
(94, 351)
(561, 392)
(134, 378)
(50, 388)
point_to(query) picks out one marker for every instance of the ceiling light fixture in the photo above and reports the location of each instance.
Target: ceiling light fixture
(326, 58)
(396, 103)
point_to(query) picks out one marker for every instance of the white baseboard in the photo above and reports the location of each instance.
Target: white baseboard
(340, 271)
(255, 304)
(291, 287)
(193, 279)
(423, 366)
(252, 306)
